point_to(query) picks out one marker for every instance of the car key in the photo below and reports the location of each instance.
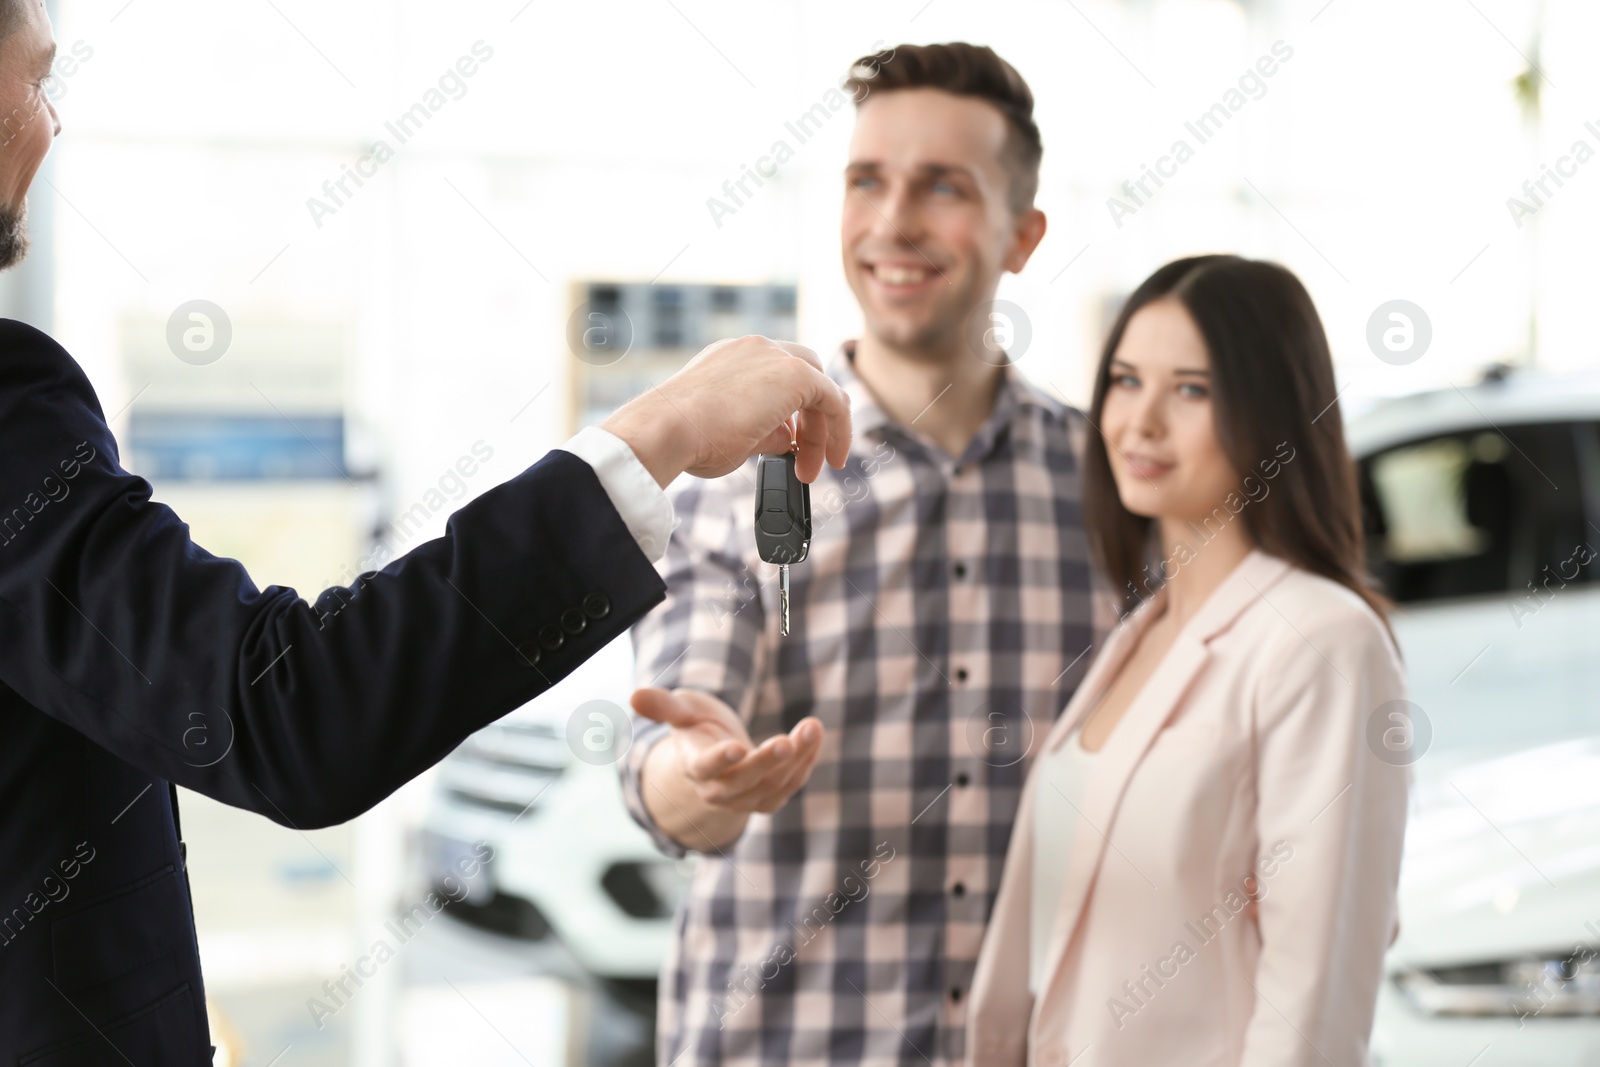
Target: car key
(783, 520)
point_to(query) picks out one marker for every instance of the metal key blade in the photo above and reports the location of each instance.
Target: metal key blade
(783, 596)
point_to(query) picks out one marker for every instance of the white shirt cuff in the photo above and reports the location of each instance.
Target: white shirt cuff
(644, 508)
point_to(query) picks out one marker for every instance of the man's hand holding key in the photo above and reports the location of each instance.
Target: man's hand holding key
(733, 400)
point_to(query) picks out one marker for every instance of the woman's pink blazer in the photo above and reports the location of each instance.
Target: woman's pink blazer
(1231, 887)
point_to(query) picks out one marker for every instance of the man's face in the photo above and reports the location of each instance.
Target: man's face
(927, 228)
(28, 121)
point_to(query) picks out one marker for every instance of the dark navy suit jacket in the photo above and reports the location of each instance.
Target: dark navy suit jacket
(120, 638)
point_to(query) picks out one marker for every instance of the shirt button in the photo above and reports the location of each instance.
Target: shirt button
(962, 780)
(551, 638)
(955, 995)
(574, 622)
(959, 889)
(597, 605)
(961, 674)
(960, 570)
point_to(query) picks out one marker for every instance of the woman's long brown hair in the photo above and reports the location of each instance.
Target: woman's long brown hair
(1272, 385)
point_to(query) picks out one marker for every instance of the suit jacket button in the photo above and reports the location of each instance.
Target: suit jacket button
(597, 605)
(574, 622)
(529, 651)
(552, 638)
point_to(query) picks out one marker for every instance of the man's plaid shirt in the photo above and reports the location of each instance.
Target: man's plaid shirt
(940, 624)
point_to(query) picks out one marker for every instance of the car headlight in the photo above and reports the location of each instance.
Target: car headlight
(1519, 988)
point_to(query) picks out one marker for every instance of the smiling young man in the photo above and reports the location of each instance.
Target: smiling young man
(850, 858)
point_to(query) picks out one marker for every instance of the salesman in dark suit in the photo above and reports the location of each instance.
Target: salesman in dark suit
(120, 637)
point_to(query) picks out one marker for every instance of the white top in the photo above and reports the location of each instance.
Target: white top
(642, 504)
(1063, 774)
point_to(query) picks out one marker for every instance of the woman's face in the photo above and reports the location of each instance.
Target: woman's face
(1158, 423)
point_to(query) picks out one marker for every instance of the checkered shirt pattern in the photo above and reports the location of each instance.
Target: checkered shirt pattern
(940, 624)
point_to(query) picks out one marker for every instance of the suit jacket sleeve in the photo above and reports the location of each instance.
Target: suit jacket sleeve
(113, 621)
(1331, 822)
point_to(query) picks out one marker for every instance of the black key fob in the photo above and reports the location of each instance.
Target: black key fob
(783, 510)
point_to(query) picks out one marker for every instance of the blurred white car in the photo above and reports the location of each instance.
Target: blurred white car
(568, 861)
(1483, 521)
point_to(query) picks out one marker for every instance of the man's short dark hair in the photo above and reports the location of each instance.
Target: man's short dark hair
(964, 70)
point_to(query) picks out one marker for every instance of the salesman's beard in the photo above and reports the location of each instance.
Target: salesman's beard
(13, 235)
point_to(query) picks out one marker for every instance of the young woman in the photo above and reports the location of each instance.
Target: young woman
(1204, 867)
